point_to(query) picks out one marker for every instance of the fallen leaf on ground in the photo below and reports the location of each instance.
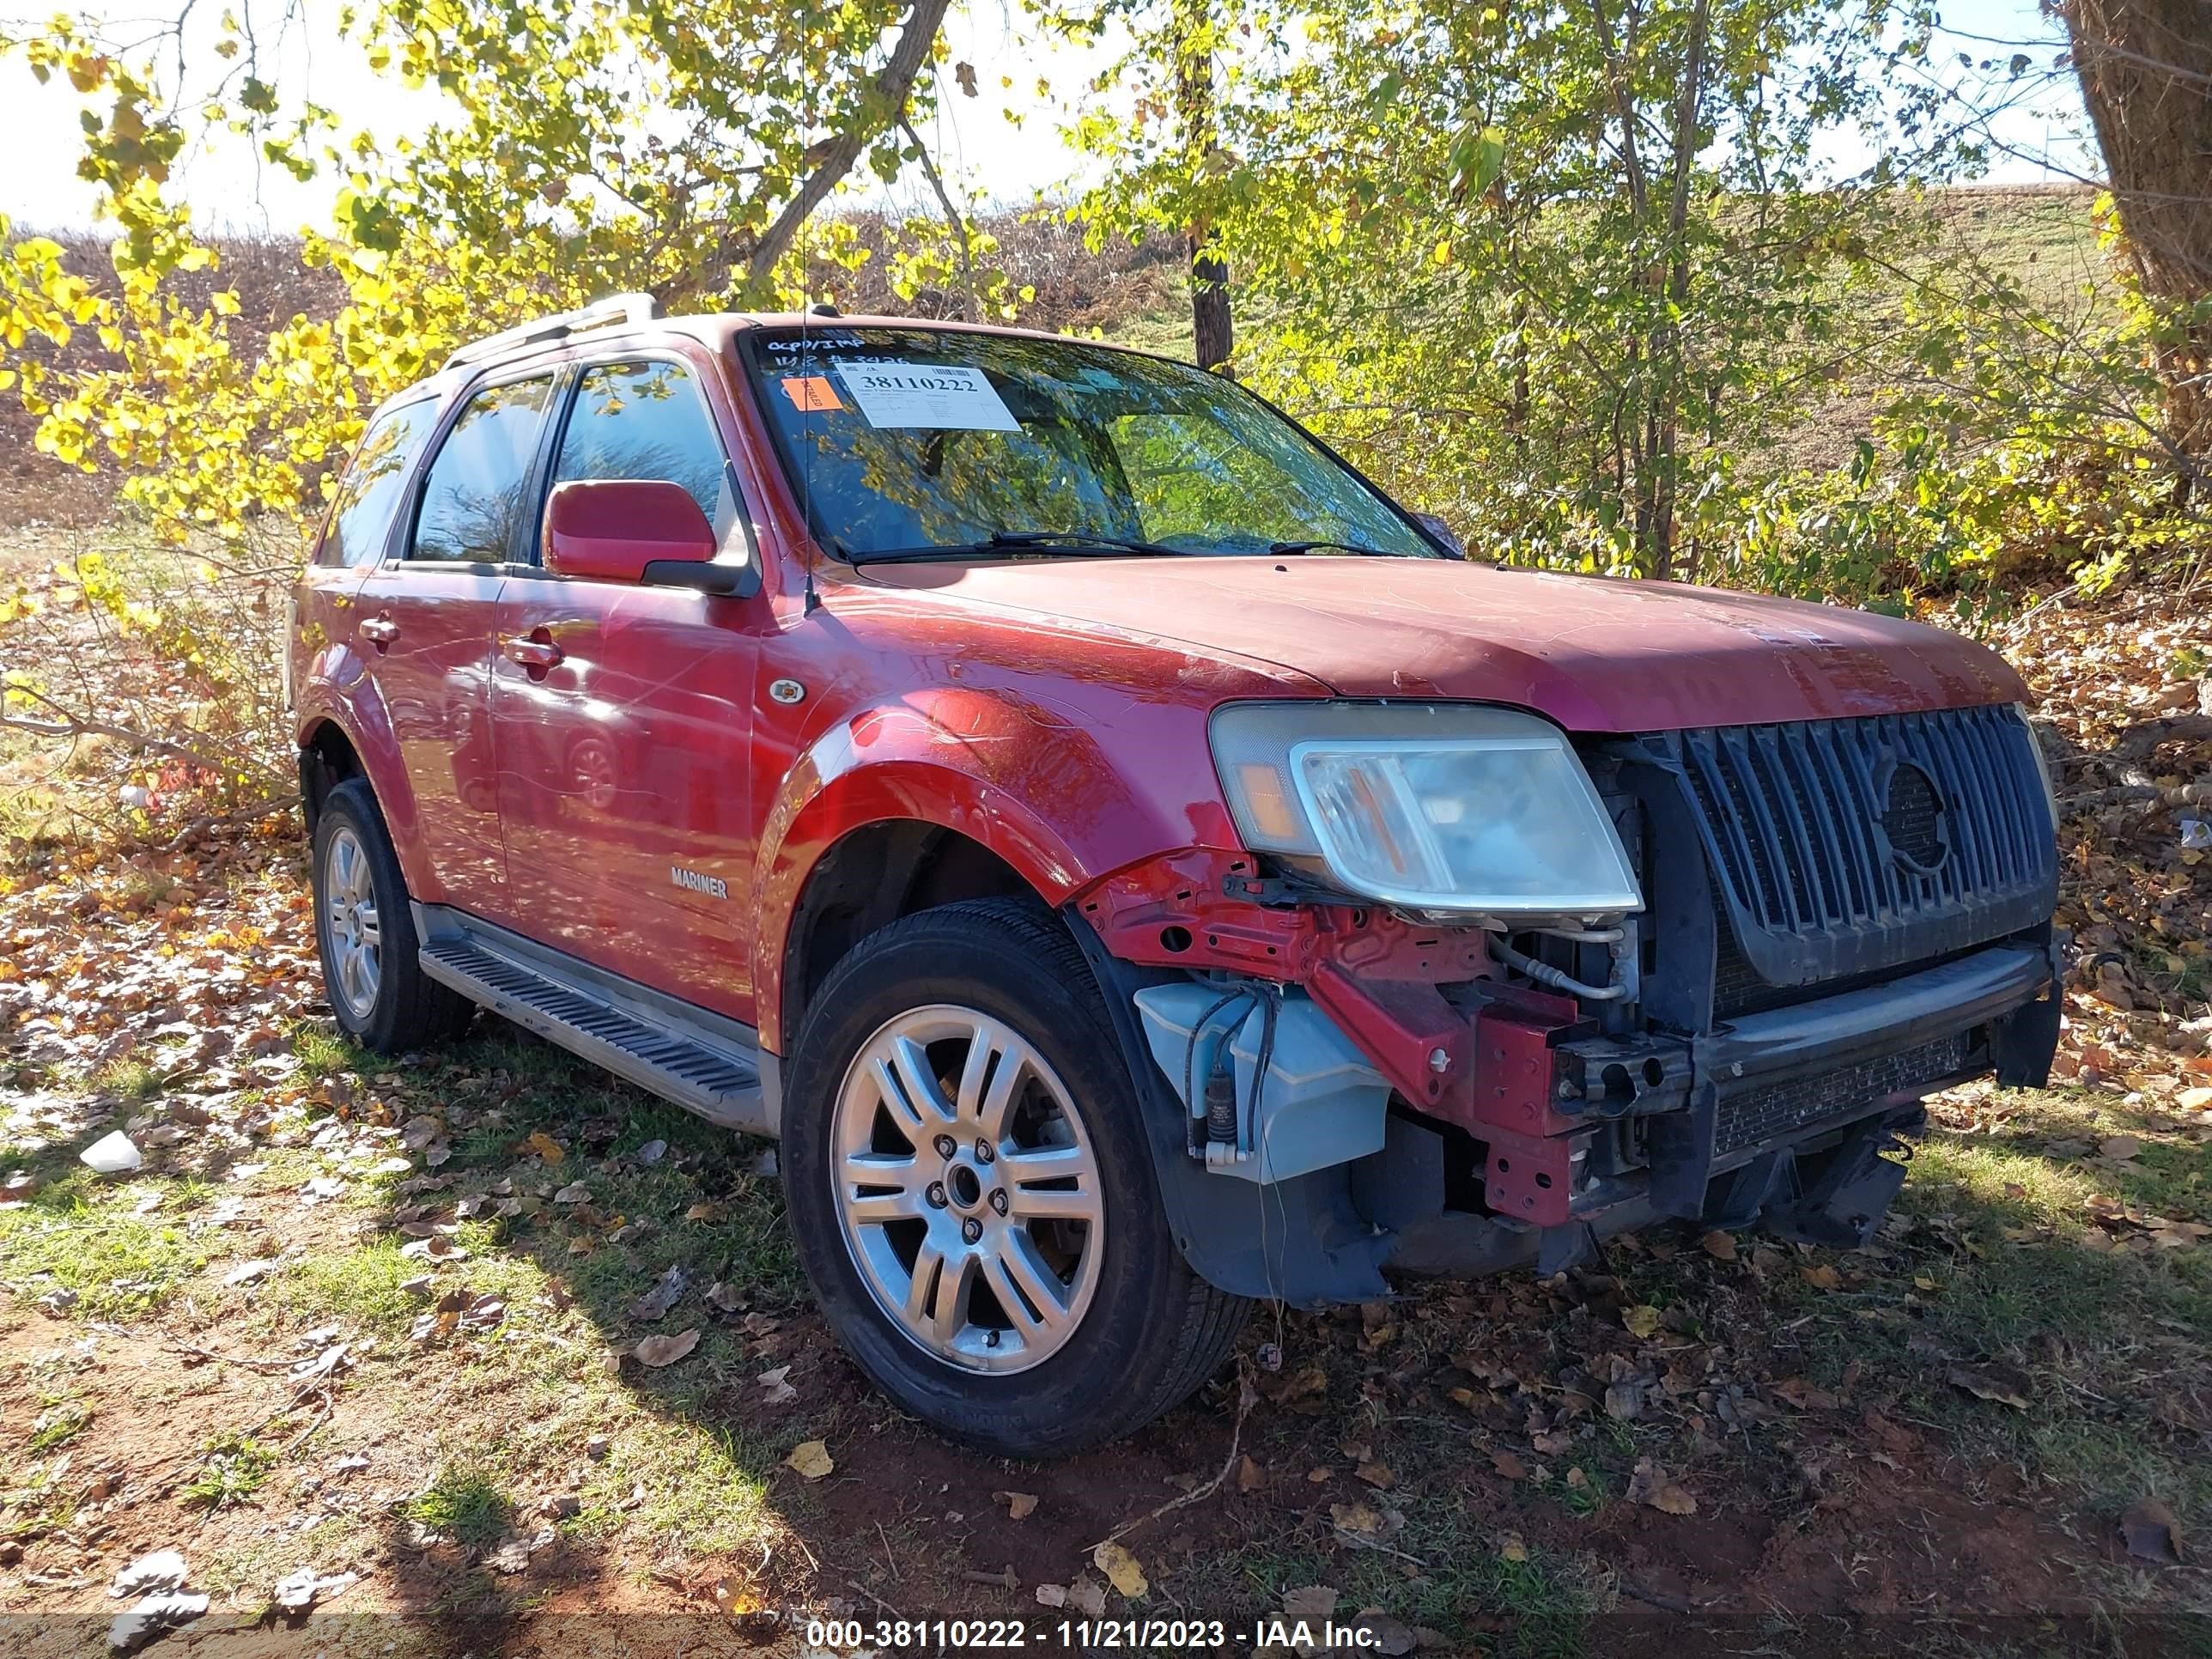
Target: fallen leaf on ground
(1641, 1321)
(1511, 1546)
(1360, 1520)
(780, 1391)
(2152, 1533)
(1649, 1486)
(1720, 1246)
(1822, 1278)
(1380, 1633)
(1312, 1602)
(2119, 1148)
(546, 1146)
(1508, 1464)
(811, 1459)
(666, 1292)
(513, 1556)
(1803, 1395)
(1249, 1475)
(1087, 1596)
(303, 1588)
(1380, 1476)
(1052, 1595)
(574, 1193)
(163, 1570)
(1120, 1569)
(156, 1613)
(659, 1351)
(1020, 1505)
(2000, 1383)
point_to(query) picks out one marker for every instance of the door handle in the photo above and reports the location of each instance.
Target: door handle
(532, 653)
(378, 631)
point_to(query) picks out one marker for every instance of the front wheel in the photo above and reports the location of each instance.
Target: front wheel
(971, 1190)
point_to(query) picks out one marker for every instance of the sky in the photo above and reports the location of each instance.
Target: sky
(989, 158)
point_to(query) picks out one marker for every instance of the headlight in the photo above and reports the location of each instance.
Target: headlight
(1432, 807)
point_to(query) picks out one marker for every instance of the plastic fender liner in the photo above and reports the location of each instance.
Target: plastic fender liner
(1300, 1241)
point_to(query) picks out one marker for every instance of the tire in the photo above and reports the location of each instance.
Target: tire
(1131, 1330)
(382, 999)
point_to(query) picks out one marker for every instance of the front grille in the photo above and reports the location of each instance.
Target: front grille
(1761, 1114)
(1841, 848)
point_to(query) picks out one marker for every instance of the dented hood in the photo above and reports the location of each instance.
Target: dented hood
(1594, 654)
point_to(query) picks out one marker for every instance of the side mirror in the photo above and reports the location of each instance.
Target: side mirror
(633, 530)
(1443, 531)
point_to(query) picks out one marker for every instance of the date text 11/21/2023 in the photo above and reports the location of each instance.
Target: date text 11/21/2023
(1086, 1635)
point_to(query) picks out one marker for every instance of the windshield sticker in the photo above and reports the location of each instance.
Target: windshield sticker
(938, 397)
(811, 394)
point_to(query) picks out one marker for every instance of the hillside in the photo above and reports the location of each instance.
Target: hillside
(2042, 237)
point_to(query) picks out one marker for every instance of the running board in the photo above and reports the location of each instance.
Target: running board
(699, 1060)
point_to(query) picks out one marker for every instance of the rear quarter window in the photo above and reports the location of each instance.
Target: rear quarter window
(360, 518)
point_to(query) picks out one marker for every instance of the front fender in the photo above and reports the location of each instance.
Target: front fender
(1041, 791)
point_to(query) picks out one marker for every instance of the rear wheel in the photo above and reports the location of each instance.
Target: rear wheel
(365, 933)
(971, 1190)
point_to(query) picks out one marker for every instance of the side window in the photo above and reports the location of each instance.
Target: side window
(647, 421)
(476, 484)
(360, 518)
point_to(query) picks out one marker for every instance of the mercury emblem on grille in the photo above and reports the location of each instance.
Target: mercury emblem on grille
(1912, 816)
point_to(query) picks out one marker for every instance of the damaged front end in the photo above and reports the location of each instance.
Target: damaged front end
(1838, 918)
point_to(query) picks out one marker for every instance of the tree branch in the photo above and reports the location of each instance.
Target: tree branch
(896, 84)
(69, 724)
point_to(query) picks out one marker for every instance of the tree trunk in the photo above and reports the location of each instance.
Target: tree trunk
(2146, 73)
(836, 154)
(1212, 326)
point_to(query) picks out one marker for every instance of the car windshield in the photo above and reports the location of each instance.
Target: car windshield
(912, 441)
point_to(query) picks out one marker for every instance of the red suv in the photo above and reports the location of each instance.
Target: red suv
(1134, 866)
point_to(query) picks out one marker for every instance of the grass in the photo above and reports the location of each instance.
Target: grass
(81, 1234)
(1470, 1581)
(236, 1467)
(464, 1502)
(64, 1417)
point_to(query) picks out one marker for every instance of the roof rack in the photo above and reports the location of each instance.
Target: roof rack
(617, 310)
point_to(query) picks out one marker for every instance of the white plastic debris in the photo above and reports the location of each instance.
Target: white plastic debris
(112, 1154)
(2196, 835)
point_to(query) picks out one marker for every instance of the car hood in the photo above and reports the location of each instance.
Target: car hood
(1594, 653)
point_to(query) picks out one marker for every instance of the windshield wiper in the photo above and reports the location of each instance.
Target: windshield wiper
(1280, 548)
(1077, 543)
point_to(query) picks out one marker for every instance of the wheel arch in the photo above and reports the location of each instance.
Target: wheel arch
(869, 877)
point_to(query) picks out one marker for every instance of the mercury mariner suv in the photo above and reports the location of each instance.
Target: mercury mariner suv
(1134, 866)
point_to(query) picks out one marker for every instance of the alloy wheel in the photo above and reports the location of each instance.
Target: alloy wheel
(351, 923)
(967, 1189)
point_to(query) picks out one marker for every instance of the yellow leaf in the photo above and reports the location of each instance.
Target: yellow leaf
(546, 1146)
(811, 1459)
(1443, 255)
(1120, 1569)
(1643, 1320)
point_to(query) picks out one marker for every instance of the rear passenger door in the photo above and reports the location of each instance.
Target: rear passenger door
(426, 622)
(624, 715)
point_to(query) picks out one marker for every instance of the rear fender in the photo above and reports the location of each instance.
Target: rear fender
(334, 686)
